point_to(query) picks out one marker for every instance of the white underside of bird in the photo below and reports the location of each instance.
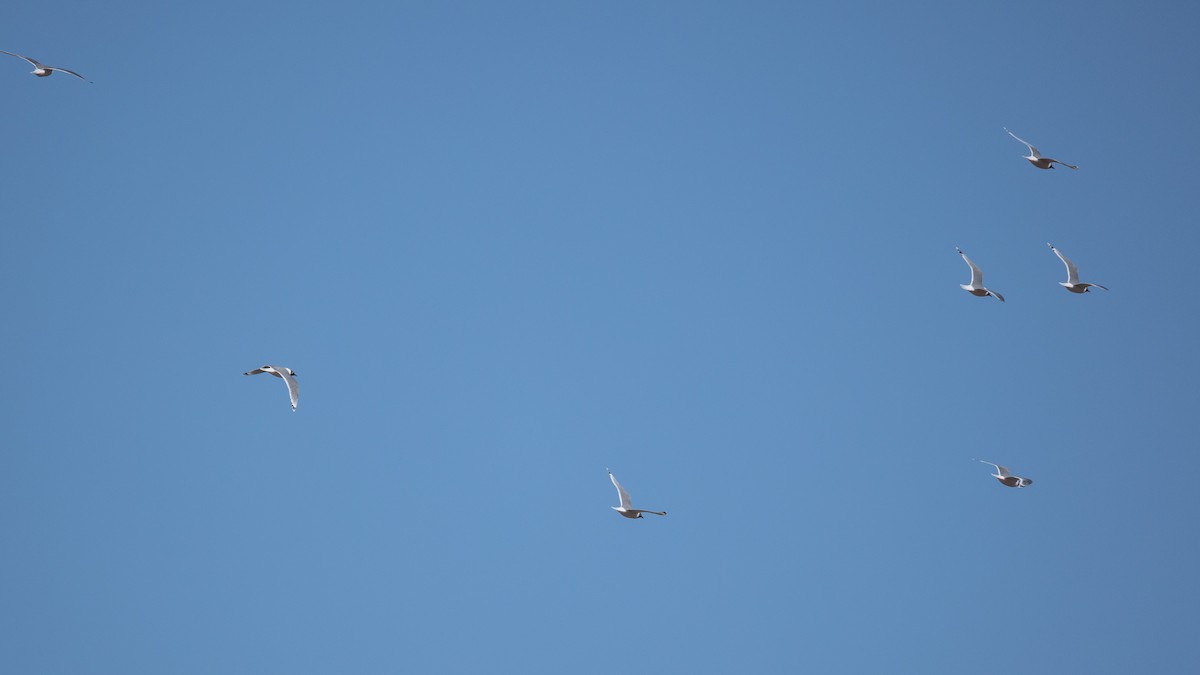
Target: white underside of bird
(1035, 158)
(1072, 283)
(1006, 478)
(287, 375)
(626, 508)
(976, 285)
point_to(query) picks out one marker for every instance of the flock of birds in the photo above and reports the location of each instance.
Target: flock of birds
(975, 287)
(1072, 283)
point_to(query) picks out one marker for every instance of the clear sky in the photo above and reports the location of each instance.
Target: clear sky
(506, 245)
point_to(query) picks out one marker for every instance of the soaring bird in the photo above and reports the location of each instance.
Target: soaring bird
(1072, 283)
(1035, 158)
(1007, 478)
(288, 375)
(626, 508)
(42, 70)
(976, 285)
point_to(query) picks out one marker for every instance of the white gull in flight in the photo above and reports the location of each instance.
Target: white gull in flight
(626, 508)
(1072, 283)
(288, 376)
(1035, 158)
(976, 285)
(42, 70)
(1007, 478)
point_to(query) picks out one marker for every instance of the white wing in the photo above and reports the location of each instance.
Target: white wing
(626, 502)
(257, 371)
(1032, 150)
(293, 388)
(1003, 471)
(33, 63)
(1072, 271)
(976, 273)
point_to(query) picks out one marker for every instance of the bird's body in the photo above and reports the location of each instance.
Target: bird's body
(976, 287)
(1002, 474)
(1035, 158)
(287, 375)
(626, 508)
(42, 70)
(1072, 283)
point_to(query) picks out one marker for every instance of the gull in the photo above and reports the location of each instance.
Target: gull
(42, 70)
(1007, 478)
(1072, 283)
(976, 285)
(626, 508)
(288, 375)
(1036, 158)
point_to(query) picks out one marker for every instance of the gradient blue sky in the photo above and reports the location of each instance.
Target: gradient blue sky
(508, 245)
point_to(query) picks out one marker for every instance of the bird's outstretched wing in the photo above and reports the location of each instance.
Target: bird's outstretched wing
(256, 371)
(1072, 271)
(293, 388)
(1032, 150)
(996, 295)
(626, 502)
(32, 62)
(1003, 471)
(71, 72)
(1055, 161)
(976, 273)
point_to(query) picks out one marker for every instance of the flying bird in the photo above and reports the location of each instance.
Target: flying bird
(1035, 158)
(976, 285)
(42, 70)
(1007, 478)
(288, 375)
(1072, 283)
(626, 508)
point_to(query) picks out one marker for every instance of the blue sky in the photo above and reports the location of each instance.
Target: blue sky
(507, 245)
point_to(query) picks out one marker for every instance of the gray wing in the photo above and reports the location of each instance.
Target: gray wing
(996, 295)
(976, 273)
(1069, 166)
(1072, 271)
(33, 63)
(256, 371)
(71, 72)
(626, 502)
(1032, 150)
(293, 388)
